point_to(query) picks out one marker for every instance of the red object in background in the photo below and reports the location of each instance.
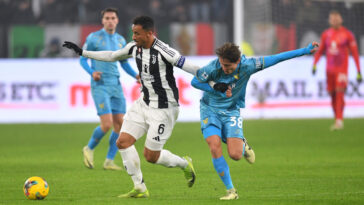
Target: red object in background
(205, 39)
(86, 30)
(286, 37)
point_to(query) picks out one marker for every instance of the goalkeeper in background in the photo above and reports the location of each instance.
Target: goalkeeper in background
(106, 88)
(336, 42)
(224, 81)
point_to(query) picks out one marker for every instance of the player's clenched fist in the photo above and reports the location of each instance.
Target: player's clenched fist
(73, 46)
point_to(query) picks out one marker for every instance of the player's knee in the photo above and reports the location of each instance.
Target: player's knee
(235, 155)
(150, 157)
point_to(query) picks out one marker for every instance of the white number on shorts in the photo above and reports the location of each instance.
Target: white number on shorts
(239, 121)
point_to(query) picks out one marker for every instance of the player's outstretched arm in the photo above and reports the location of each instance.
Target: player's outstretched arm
(108, 56)
(274, 59)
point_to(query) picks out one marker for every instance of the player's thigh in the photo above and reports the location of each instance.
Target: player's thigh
(341, 82)
(117, 100)
(101, 99)
(210, 122)
(161, 123)
(134, 122)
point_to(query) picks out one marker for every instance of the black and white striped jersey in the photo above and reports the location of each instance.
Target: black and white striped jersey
(155, 67)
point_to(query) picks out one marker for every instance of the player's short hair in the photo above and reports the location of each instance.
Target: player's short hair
(146, 22)
(110, 9)
(334, 12)
(229, 51)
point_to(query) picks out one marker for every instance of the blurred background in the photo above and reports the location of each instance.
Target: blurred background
(35, 84)
(34, 28)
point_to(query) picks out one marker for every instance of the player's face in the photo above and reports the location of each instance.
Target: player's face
(110, 21)
(141, 36)
(227, 66)
(335, 20)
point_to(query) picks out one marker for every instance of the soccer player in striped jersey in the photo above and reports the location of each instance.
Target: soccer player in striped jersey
(156, 111)
(224, 82)
(106, 88)
(336, 42)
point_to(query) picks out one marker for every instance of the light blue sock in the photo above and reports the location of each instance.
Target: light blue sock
(223, 171)
(96, 137)
(112, 145)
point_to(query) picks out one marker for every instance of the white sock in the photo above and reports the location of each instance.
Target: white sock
(131, 163)
(168, 159)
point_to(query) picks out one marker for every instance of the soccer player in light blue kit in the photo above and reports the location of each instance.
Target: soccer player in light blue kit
(106, 88)
(224, 81)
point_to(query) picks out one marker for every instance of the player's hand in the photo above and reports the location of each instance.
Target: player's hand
(229, 92)
(313, 69)
(359, 78)
(73, 46)
(222, 87)
(96, 75)
(312, 47)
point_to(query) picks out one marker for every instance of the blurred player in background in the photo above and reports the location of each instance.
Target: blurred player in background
(106, 88)
(220, 105)
(156, 111)
(336, 42)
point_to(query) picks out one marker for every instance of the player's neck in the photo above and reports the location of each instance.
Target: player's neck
(111, 32)
(336, 27)
(149, 43)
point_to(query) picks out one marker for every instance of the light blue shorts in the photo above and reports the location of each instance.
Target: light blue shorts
(224, 123)
(108, 99)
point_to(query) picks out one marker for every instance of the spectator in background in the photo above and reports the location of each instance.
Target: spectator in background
(283, 15)
(58, 11)
(53, 50)
(200, 10)
(336, 42)
(308, 14)
(23, 13)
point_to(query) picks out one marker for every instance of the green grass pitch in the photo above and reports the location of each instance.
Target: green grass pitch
(297, 162)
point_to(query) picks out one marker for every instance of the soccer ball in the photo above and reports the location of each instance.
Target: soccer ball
(36, 188)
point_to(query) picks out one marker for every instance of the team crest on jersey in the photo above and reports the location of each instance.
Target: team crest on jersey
(222, 173)
(204, 75)
(205, 120)
(102, 105)
(154, 59)
(236, 76)
(120, 45)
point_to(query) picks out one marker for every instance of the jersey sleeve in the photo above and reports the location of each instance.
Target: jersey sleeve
(205, 73)
(88, 45)
(175, 58)
(321, 50)
(354, 49)
(111, 56)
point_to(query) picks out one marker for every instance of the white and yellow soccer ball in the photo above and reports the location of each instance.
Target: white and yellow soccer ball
(36, 188)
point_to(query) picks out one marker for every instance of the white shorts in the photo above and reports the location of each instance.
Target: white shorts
(157, 123)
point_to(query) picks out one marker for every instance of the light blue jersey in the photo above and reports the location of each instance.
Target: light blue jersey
(221, 114)
(238, 81)
(107, 92)
(103, 41)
